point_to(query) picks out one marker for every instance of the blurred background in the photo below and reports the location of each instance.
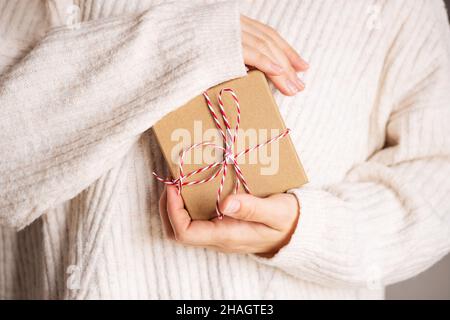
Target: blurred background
(431, 284)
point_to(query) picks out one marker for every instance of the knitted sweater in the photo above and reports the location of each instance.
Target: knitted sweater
(79, 206)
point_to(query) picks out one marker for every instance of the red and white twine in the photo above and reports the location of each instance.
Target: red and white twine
(229, 158)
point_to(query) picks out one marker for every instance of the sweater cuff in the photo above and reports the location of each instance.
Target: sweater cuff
(219, 34)
(307, 235)
(311, 253)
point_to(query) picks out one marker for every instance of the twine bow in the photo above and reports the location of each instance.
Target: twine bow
(229, 157)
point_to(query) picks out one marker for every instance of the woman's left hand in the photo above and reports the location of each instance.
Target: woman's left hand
(250, 224)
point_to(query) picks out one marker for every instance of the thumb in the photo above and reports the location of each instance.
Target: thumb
(270, 211)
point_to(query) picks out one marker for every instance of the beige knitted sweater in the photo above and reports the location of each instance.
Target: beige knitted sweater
(76, 155)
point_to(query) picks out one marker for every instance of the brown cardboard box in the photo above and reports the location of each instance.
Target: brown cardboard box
(272, 169)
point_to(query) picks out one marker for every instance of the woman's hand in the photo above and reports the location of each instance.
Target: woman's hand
(250, 224)
(267, 51)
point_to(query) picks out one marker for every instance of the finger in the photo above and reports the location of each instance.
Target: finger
(288, 85)
(275, 211)
(178, 217)
(260, 45)
(197, 233)
(244, 236)
(296, 60)
(167, 228)
(261, 61)
(294, 57)
(256, 27)
(288, 82)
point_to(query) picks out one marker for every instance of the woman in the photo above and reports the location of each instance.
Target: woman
(77, 100)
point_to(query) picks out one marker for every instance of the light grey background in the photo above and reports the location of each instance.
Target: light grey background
(431, 284)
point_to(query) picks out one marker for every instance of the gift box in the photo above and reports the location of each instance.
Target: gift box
(209, 159)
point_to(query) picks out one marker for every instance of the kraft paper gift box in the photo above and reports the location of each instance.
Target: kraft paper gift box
(274, 168)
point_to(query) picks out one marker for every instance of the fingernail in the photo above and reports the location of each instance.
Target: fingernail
(305, 64)
(276, 68)
(232, 206)
(300, 84)
(302, 64)
(292, 88)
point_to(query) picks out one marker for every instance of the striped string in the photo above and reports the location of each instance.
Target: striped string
(229, 158)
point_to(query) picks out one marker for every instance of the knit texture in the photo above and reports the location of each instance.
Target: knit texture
(83, 81)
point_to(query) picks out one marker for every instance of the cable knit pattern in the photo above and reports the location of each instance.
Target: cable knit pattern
(76, 103)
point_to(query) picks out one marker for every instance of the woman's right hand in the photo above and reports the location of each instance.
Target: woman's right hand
(266, 50)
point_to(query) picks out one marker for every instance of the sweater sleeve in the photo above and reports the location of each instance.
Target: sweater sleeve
(390, 218)
(72, 107)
